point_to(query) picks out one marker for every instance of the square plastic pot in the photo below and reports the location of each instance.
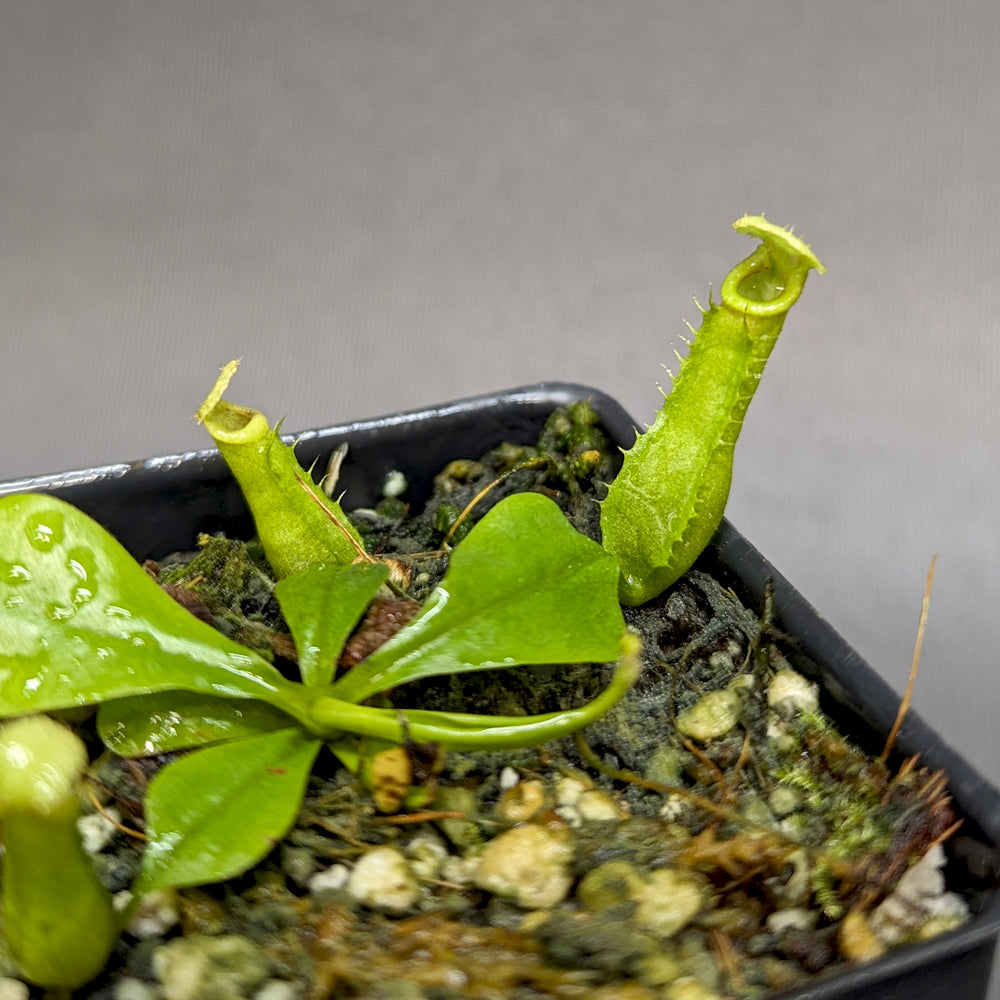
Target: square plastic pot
(159, 505)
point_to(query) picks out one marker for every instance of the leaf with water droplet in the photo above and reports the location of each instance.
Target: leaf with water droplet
(61, 648)
(177, 720)
(217, 811)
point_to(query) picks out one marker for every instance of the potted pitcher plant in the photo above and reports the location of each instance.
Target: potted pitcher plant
(481, 701)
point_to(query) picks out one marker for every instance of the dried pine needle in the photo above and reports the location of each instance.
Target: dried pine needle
(904, 705)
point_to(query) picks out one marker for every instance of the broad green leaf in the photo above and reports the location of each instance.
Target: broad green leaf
(176, 720)
(216, 812)
(523, 587)
(321, 606)
(82, 622)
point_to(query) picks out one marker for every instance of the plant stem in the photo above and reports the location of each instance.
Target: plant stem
(461, 731)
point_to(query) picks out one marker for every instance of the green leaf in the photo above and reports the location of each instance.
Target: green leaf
(216, 812)
(524, 587)
(176, 720)
(321, 606)
(83, 623)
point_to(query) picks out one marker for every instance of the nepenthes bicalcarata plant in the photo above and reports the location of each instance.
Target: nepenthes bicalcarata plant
(83, 624)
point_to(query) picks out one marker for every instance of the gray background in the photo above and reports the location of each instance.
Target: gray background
(384, 205)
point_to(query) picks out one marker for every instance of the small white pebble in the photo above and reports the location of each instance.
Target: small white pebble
(204, 967)
(570, 815)
(672, 808)
(529, 864)
(13, 989)
(454, 979)
(155, 915)
(382, 880)
(918, 901)
(394, 484)
(668, 901)
(795, 918)
(522, 802)
(782, 739)
(721, 662)
(663, 765)
(508, 778)
(945, 913)
(569, 790)
(332, 878)
(925, 878)
(460, 871)
(688, 988)
(595, 805)
(130, 988)
(789, 694)
(97, 830)
(276, 989)
(784, 800)
(711, 716)
(427, 853)
(756, 811)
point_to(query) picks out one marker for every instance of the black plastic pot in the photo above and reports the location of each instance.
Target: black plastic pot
(159, 505)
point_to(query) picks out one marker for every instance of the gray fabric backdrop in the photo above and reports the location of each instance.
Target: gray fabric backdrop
(383, 205)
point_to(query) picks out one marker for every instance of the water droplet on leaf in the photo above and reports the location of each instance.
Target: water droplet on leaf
(45, 530)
